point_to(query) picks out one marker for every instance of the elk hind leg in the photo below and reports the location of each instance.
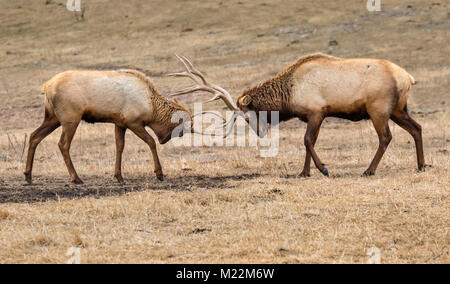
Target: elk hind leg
(49, 125)
(415, 130)
(380, 122)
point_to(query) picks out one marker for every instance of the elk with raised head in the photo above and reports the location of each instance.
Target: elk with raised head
(317, 86)
(126, 98)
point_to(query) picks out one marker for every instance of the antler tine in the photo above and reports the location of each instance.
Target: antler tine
(226, 97)
(225, 124)
(185, 74)
(191, 69)
(181, 59)
(182, 91)
(210, 112)
(190, 90)
(191, 72)
(216, 97)
(207, 112)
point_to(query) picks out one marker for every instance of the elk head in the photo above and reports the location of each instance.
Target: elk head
(178, 121)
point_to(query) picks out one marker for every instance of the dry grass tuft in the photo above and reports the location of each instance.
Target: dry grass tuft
(4, 214)
(40, 241)
(79, 242)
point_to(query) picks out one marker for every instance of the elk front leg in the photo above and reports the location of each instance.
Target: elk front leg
(307, 165)
(68, 131)
(140, 131)
(312, 129)
(120, 144)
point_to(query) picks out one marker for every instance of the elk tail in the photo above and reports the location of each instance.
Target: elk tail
(411, 79)
(49, 108)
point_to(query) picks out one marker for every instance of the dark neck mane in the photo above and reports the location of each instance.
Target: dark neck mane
(272, 95)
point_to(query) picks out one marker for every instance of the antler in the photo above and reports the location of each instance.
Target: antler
(201, 85)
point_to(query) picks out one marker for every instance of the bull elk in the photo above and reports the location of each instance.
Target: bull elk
(126, 98)
(317, 86)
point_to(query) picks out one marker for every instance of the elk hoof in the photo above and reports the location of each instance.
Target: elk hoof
(367, 174)
(120, 179)
(325, 172)
(78, 181)
(160, 177)
(304, 175)
(28, 178)
(423, 167)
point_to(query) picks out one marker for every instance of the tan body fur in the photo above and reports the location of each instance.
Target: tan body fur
(318, 86)
(346, 87)
(126, 98)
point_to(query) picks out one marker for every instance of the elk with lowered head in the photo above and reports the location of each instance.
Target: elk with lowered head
(317, 86)
(126, 98)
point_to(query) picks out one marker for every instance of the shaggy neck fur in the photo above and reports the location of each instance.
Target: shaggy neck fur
(272, 95)
(275, 94)
(164, 109)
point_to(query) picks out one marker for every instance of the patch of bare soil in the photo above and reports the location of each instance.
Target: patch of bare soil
(46, 189)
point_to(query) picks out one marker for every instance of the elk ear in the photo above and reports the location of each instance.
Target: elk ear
(245, 100)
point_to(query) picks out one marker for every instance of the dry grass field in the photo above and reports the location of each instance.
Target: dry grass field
(221, 204)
